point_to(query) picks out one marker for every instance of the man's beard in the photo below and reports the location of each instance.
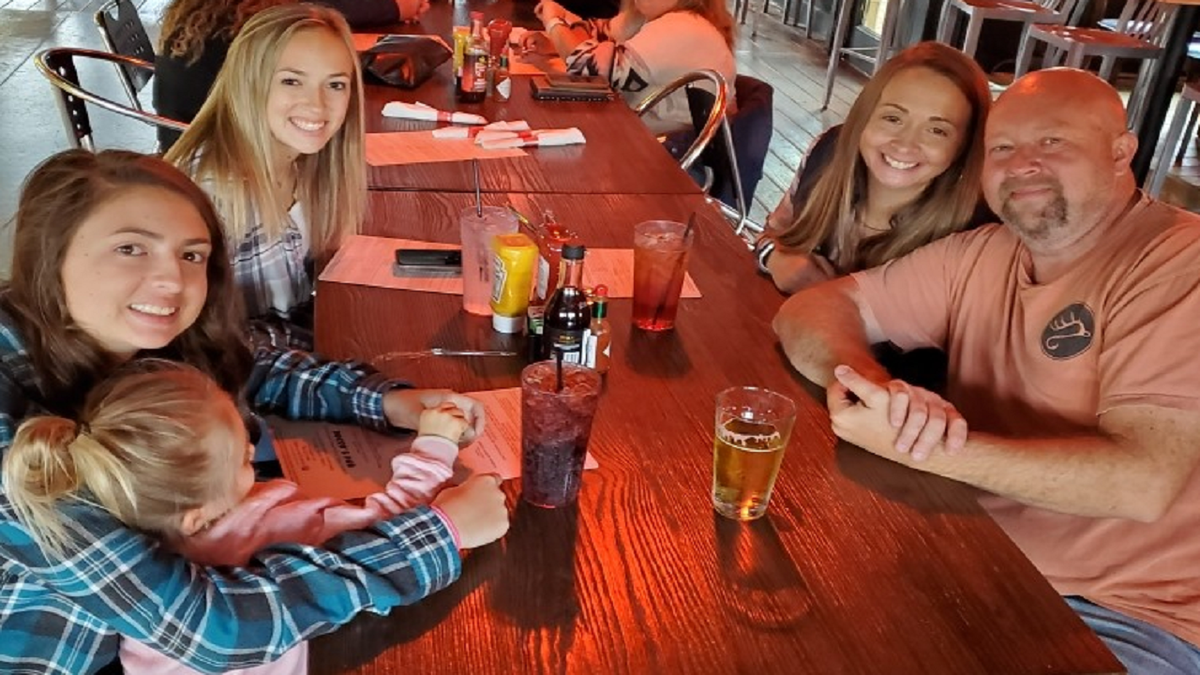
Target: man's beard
(1037, 226)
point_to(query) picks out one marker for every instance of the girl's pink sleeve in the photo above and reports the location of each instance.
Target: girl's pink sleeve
(275, 513)
(417, 475)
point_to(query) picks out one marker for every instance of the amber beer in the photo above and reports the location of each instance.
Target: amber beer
(752, 430)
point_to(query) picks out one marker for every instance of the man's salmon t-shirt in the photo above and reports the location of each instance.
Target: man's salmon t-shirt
(1120, 328)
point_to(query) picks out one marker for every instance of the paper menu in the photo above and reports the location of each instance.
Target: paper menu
(613, 267)
(335, 460)
(367, 261)
(420, 147)
(499, 449)
(349, 462)
(535, 64)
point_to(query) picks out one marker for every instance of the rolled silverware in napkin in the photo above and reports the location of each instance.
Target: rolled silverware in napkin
(534, 138)
(420, 111)
(472, 132)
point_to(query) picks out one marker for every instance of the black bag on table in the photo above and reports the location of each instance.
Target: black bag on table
(405, 61)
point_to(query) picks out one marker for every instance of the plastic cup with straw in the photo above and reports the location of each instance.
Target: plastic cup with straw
(478, 189)
(478, 224)
(660, 253)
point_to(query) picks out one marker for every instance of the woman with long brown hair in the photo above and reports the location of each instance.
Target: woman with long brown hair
(119, 256)
(902, 171)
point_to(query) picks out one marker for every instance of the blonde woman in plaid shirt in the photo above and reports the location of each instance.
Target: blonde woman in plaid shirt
(278, 146)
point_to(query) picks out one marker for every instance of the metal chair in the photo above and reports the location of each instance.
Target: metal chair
(710, 105)
(58, 66)
(875, 55)
(716, 114)
(123, 33)
(1177, 134)
(1141, 32)
(1046, 12)
(734, 169)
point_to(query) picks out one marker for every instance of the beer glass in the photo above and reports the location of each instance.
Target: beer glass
(753, 426)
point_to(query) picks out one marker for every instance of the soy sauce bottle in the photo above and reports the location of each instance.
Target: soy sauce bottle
(472, 83)
(567, 314)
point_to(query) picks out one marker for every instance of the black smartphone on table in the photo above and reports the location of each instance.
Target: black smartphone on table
(423, 262)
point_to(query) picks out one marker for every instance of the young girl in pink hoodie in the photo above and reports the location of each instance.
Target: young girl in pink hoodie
(165, 450)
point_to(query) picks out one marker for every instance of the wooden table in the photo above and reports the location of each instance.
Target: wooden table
(620, 156)
(860, 566)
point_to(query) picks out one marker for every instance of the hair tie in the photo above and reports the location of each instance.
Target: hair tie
(82, 429)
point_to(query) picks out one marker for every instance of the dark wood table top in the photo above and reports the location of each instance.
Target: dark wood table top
(860, 565)
(620, 156)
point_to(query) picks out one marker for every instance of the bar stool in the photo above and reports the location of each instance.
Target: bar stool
(977, 11)
(887, 35)
(1177, 135)
(1141, 33)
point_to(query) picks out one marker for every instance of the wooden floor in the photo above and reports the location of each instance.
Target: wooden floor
(30, 129)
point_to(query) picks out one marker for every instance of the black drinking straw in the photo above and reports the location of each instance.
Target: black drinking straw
(478, 197)
(676, 272)
(558, 361)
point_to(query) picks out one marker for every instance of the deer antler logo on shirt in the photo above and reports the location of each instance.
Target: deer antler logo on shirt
(1069, 333)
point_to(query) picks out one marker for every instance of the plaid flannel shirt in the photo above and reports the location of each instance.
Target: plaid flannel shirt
(63, 617)
(273, 272)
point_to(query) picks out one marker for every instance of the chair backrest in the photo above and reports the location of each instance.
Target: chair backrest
(58, 66)
(123, 33)
(751, 126)
(1147, 20)
(72, 107)
(715, 111)
(736, 156)
(1063, 8)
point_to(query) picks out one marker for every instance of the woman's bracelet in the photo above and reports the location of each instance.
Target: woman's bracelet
(762, 253)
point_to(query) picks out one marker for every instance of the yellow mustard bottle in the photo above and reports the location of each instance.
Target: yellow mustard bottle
(513, 258)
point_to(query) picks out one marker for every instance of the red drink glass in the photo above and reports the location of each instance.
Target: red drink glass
(660, 253)
(555, 427)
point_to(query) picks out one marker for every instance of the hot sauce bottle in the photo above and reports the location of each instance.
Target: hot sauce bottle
(598, 340)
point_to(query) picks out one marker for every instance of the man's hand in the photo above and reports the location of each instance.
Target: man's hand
(403, 408)
(892, 416)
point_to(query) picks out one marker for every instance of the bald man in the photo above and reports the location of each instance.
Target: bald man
(1073, 333)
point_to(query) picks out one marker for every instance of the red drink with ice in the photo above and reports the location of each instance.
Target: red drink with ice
(555, 426)
(660, 253)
